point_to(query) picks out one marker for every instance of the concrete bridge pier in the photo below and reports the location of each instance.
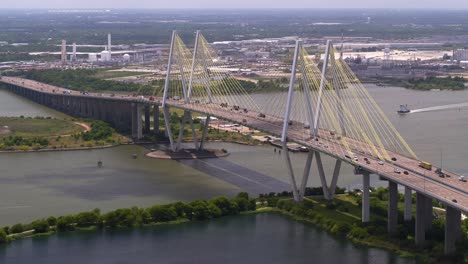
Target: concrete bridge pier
(365, 197)
(392, 214)
(84, 107)
(147, 119)
(408, 204)
(423, 218)
(137, 129)
(156, 120)
(453, 232)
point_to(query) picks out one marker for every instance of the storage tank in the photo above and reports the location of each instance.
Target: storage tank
(126, 58)
(105, 56)
(92, 57)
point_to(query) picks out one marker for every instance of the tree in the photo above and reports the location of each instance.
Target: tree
(163, 213)
(200, 210)
(214, 211)
(65, 223)
(182, 209)
(40, 226)
(120, 217)
(17, 228)
(52, 221)
(242, 203)
(224, 204)
(86, 219)
(3, 236)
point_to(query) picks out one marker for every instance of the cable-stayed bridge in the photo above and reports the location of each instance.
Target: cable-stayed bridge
(325, 108)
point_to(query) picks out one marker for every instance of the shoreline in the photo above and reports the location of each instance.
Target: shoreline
(117, 145)
(61, 149)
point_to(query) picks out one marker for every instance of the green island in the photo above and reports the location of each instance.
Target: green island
(340, 217)
(40, 133)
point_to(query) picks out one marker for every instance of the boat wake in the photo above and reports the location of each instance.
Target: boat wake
(441, 107)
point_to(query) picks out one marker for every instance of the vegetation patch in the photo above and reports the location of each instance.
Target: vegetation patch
(430, 83)
(38, 133)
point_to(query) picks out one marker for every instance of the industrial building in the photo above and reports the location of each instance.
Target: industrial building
(461, 54)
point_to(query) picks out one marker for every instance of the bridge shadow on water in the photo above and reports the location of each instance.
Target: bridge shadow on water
(246, 179)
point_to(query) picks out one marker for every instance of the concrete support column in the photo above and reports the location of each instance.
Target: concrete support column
(365, 197)
(139, 122)
(96, 114)
(423, 223)
(392, 214)
(156, 120)
(147, 119)
(453, 232)
(84, 110)
(134, 120)
(103, 110)
(408, 204)
(429, 214)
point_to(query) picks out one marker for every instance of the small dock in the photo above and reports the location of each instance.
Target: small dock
(293, 147)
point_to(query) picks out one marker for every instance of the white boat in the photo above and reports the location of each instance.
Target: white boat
(404, 109)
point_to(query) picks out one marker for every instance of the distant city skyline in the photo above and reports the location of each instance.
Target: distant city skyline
(109, 4)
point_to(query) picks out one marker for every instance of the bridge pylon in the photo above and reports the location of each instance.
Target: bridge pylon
(189, 70)
(313, 121)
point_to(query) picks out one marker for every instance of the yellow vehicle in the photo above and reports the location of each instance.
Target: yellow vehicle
(425, 165)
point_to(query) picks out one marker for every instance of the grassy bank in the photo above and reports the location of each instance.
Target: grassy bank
(27, 134)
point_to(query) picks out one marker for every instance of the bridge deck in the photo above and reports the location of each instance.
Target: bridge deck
(448, 190)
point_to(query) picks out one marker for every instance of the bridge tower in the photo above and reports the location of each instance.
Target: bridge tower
(178, 59)
(313, 121)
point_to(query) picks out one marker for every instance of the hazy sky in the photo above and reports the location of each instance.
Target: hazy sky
(233, 3)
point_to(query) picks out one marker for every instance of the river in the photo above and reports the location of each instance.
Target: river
(238, 239)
